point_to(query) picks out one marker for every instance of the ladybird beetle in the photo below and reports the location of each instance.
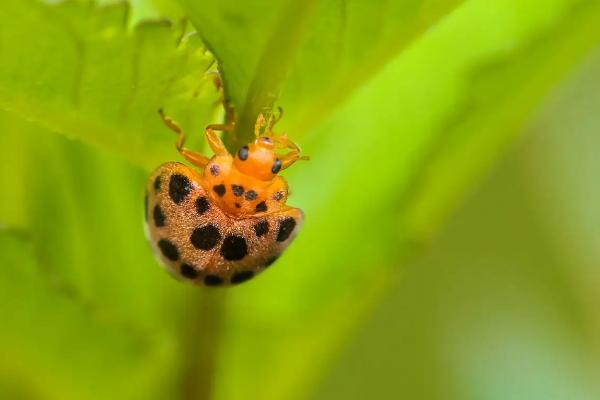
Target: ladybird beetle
(229, 221)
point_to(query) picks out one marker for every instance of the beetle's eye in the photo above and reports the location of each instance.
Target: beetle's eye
(243, 153)
(276, 166)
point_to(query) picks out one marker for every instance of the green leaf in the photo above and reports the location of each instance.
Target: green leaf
(320, 51)
(55, 346)
(494, 116)
(364, 163)
(87, 302)
(78, 207)
(87, 76)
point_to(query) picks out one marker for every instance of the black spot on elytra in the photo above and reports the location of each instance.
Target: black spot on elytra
(202, 205)
(237, 190)
(286, 226)
(250, 195)
(168, 249)
(234, 248)
(157, 183)
(188, 271)
(271, 261)
(219, 189)
(212, 280)
(214, 170)
(243, 153)
(276, 166)
(261, 228)
(179, 188)
(241, 276)
(278, 196)
(159, 216)
(205, 237)
(261, 207)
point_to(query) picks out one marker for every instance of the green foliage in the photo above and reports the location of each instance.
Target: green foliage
(319, 51)
(78, 70)
(503, 304)
(372, 91)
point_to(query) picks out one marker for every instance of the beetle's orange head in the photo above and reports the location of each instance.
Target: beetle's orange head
(258, 159)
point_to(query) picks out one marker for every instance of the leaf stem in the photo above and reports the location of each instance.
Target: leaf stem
(202, 331)
(273, 66)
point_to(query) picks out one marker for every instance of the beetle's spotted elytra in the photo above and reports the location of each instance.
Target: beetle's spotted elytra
(227, 221)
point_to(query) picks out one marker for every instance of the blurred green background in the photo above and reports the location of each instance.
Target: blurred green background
(450, 249)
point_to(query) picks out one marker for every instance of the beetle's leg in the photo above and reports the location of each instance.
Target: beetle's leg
(266, 123)
(277, 193)
(195, 158)
(274, 119)
(290, 158)
(293, 155)
(258, 125)
(218, 83)
(214, 141)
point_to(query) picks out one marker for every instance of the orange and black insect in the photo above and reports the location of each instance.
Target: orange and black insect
(228, 221)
